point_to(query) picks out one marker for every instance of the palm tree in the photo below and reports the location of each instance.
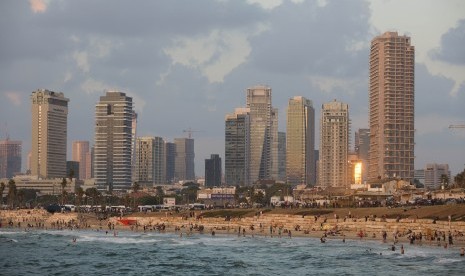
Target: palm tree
(135, 189)
(2, 188)
(79, 194)
(63, 185)
(12, 192)
(20, 197)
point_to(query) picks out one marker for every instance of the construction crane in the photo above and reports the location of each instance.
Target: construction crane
(456, 126)
(189, 132)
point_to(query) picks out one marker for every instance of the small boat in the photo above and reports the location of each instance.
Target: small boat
(127, 221)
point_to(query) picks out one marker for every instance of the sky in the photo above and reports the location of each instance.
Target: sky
(188, 63)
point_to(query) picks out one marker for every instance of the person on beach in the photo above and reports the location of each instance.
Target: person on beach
(289, 234)
(402, 249)
(462, 252)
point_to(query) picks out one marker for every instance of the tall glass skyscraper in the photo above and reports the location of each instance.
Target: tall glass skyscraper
(263, 156)
(300, 164)
(10, 158)
(237, 127)
(49, 134)
(184, 161)
(113, 142)
(392, 76)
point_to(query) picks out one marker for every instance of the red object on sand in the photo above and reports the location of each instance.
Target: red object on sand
(128, 221)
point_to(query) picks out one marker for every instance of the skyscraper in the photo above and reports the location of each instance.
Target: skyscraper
(392, 66)
(434, 174)
(81, 154)
(263, 134)
(281, 156)
(10, 158)
(213, 171)
(236, 163)
(170, 156)
(49, 134)
(362, 147)
(334, 144)
(184, 161)
(133, 139)
(150, 162)
(113, 142)
(300, 165)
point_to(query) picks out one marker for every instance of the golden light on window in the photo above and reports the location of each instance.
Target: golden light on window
(358, 173)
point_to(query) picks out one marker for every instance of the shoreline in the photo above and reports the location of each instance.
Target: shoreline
(299, 226)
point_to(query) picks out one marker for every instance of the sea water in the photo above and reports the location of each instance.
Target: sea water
(42, 252)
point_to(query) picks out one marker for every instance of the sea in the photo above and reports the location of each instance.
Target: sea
(53, 252)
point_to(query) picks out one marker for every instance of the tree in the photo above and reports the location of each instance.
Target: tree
(94, 194)
(71, 175)
(21, 195)
(12, 193)
(63, 185)
(79, 195)
(2, 188)
(135, 189)
(460, 179)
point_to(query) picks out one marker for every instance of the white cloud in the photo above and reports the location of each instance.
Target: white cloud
(14, 97)
(38, 5)
(215, 55)
(328, 84)
(266, 4)
(82, 60)
(93, 86)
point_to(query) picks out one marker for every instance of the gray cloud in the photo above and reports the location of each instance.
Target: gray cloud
(452, 49)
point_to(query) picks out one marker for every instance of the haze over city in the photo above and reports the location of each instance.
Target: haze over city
(188, 63)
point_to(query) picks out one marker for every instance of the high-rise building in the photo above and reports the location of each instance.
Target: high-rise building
(81, 154)
(72, 170)
(10, 158)
(133, 146)
(113, 142)
(49, 134)
(300, 164)
(362, 147)
(236, 164)
(150, 163)
(334, 144)
(392, 66)
(170, 154)
(213, 171)
(263, 141)
(184, 161)
(434, 176)
(281, 156)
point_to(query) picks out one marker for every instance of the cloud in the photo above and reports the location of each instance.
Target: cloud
(452, 49)
(82, 60)
(215, 54)
(91, 86)
(38, 6)
(14, 98)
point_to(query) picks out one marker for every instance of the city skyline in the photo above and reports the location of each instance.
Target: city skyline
(193, 71)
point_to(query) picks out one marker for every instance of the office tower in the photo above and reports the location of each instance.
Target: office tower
(72, 169)
(10, 158)
(300, 165)
(263, 141)
(49, 134)
(236, 149)
(281, 156)
(133, 143)
(434, 174)
(150, 162)
(170, 154)
(334, 144)
(362, 147)
(81, 154)
(392, 65)
(213, 171)
(113, 142)
(184, 161)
